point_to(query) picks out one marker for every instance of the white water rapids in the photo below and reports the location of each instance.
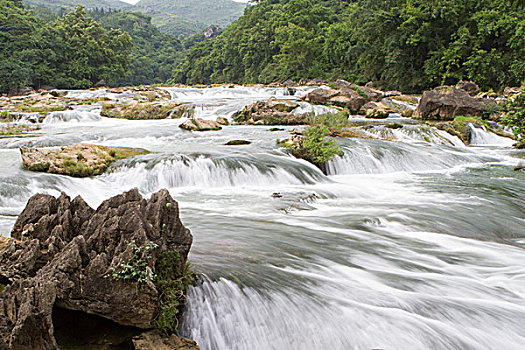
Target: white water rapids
(415, 243)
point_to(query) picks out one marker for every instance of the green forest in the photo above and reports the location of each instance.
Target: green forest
(407, 45)
(73, 51)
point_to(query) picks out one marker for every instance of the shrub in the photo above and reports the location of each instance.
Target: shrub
(515, 117)
(316, 147)
(331, 120)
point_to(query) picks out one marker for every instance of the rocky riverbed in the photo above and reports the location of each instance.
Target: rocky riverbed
(412, 219)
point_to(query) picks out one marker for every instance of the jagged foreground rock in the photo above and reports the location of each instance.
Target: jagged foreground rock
(62, 256)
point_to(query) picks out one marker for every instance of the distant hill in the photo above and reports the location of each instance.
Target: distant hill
(190, 16)
(177, 17)
(56, 5)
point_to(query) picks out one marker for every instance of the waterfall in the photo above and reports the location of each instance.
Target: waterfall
(482, 137)
(412, 243)
(70, 116)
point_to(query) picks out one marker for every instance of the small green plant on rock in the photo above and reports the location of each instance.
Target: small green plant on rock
(136, 268)
(172, 281)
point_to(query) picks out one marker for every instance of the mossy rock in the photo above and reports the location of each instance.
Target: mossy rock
(146, 110)
(237, 142)
(172, 278)
(80, 160)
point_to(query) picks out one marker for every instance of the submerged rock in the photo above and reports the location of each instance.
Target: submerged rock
(100, 264)
(200, 125)
(237, 142)
(446, 102)
(271, 112)
(344, 94)
(79, 160)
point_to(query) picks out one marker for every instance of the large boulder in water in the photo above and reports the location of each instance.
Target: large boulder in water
(377, 110)
(271, 112)
(344, 94)
(102, 263)
(147, 110)
(200, 125)
(447, 102)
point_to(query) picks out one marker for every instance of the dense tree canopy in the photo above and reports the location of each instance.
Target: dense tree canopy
(154, 55)
(401, 44)
(409, 45)
(71, 52)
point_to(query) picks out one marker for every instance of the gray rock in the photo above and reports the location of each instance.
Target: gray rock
(62, 255)
(469, 86)
(200, 125)
(447, 102)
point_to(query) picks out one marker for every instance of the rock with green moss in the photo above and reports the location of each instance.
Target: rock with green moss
(271, 112)
(461, 127)
(10, 130)
(345, 94)
(237, 143)
(79, 160)
(376, 110)
(200, 125)
(146, 110)
(315, 146)
(222, 121)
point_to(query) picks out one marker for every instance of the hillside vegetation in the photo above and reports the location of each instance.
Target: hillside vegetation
(177, 17)
(191, 16)
(70, 52)
(154, 54)
(409, 45)
(56, 5)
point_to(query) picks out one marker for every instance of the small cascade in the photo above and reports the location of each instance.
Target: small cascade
(101, 93)
(373, 157)
(480, 136)
(70, 116)
(305, 107)
(418, 133)
(234, 92)
(221, 315)
(27, 118)
(172, 171)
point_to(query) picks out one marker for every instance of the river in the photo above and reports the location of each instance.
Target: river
(406, 244)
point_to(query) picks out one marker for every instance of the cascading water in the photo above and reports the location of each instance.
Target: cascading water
(413, 243)
(70, 116)
(481, 137)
